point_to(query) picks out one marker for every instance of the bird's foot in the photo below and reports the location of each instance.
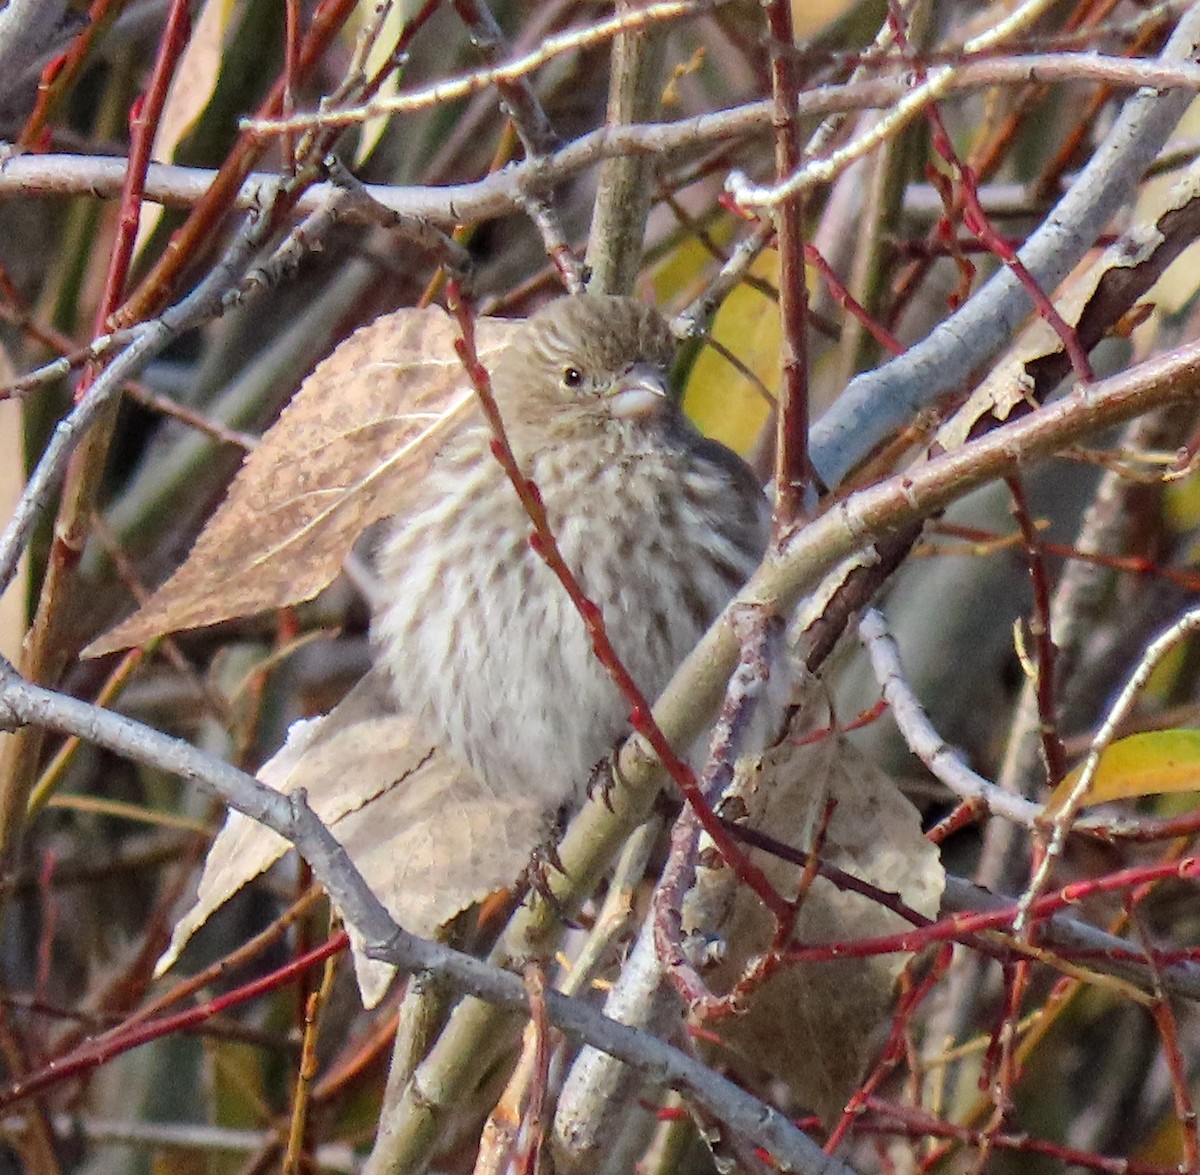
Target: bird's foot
(536, 875)
(606, 777)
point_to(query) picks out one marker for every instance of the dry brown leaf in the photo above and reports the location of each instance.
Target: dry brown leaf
(361, 429)
(343, 760)
(1008, 385)
(817, 1025)
(429, 839)
(433, 847)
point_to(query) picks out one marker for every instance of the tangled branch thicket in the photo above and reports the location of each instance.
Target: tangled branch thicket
(929, 265)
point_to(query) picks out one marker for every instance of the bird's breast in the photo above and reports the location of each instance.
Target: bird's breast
(482, 640)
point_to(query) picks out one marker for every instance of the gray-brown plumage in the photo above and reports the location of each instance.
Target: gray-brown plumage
(660, 525)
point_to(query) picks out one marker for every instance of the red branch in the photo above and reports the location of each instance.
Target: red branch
(61, 70)
(1133, 564)
(850, 304)
(197, 232)
(143, 122)
(894, 1050)
(1168, 1033)
(50, 912)
(975, 219)
(954, 928)
(121, 1039)
(291, 71)
(908, 1121)
(1001, 1064)
(965, 813)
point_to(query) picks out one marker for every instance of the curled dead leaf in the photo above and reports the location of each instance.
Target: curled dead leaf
(816, 1025)
(428, 837)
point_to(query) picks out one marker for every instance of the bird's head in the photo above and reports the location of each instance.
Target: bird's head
(590, 366)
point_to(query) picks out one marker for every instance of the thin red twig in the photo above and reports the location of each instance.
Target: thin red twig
(197, 232)
(850, 304)
(1168, 1034)
(359, 1056)
(912, 1122)
(774, 957)
(1001, 1064)
(291, 72)
(871, 714)
(964, 814)
(59, 73)
(975, 219)
(123, 1038)
(143, 123)
(1133, 564)
(978, 222)
(893, 1051)
(957, 926)
(49, 927)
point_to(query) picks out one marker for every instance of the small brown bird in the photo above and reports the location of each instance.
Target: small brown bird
(660, 525)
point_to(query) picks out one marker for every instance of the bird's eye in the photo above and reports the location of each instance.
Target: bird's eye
(572, 377)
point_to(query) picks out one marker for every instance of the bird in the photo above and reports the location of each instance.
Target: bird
(660, 525)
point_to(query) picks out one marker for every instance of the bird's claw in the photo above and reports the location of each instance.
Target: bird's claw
(536, 876)
(605, 777)
(546, 854)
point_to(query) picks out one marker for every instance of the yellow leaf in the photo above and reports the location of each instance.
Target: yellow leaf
(389, 33)
(811, 17)
(1159, 762)
(196, 78)
(1164, 1147)
(720, 399)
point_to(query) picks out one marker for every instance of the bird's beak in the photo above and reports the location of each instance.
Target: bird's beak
(640, 392)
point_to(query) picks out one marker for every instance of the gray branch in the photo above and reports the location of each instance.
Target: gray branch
(877, 403)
